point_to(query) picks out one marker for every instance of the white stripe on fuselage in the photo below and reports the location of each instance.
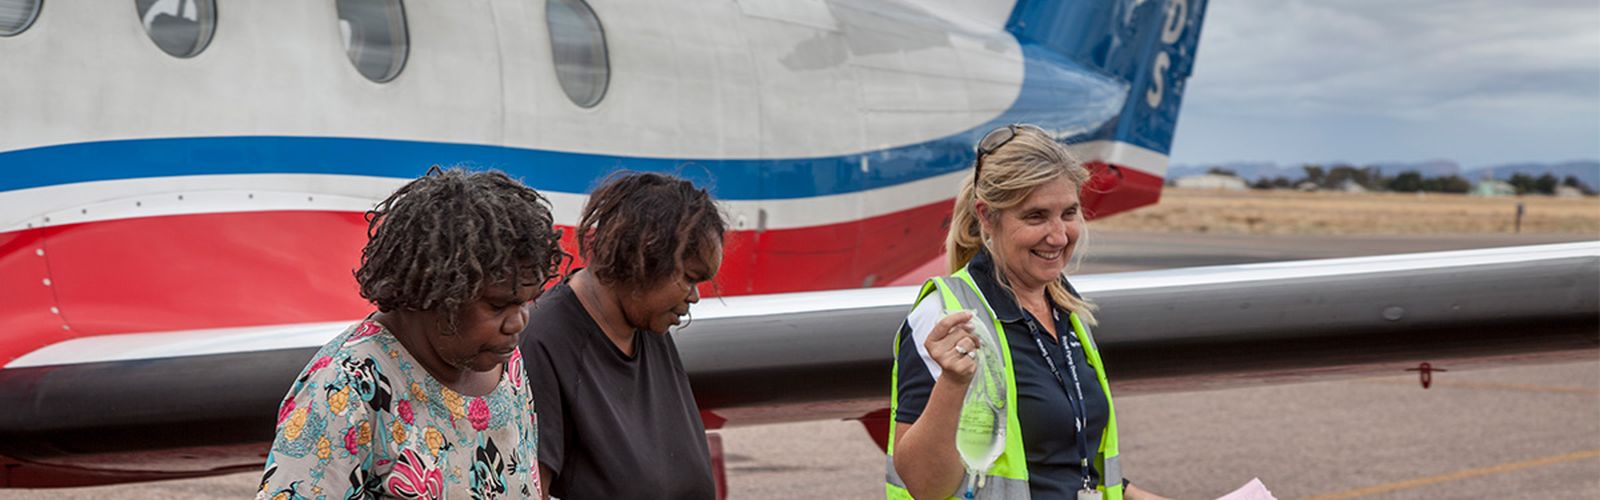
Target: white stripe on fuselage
(208, 194)
(125, 347)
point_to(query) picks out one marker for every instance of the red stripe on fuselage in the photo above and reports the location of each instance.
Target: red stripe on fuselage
(190, 272)
(181, 272)
(1116, 190)
(201, 271)
(26, 319)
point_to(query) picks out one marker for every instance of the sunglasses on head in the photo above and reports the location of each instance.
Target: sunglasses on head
(997, 138)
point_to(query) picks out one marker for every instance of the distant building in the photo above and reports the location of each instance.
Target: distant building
(1306, 186)
(1568, 192)
(1350, 186)
(1212, 181)
(1491, 187)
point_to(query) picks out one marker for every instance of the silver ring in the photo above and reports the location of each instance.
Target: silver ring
(972, 354)
(961, 350)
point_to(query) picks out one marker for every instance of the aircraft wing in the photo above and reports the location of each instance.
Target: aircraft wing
(827, 354)
(177, 404)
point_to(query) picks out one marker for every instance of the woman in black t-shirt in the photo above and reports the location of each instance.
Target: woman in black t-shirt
(616, 416)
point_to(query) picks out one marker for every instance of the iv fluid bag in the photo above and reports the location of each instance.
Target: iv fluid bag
(981, 432)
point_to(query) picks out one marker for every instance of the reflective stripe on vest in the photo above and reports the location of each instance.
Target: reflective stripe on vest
(1008, 478)
(995, 487)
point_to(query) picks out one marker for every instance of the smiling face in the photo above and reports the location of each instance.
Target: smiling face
(663, 305)
(487, 327)
(1034, 239)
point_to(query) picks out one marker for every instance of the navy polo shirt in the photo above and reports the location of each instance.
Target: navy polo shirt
(1049, 435)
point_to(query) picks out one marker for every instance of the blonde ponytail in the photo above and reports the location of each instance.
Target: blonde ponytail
(966, 231)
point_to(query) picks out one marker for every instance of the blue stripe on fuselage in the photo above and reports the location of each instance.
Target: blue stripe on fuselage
(733, 179)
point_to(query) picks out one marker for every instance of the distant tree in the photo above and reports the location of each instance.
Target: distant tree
(1409, 181)
(1545, 184)
(1282, 182)
(1340, 175)
(1454, 184)
(1432, 185)
(1262, 183)
(1446, 184)
(1374, 178)
(1315, 174)
(1221, 171)
(1336, 176)
(1573, 182)
(1523, 183)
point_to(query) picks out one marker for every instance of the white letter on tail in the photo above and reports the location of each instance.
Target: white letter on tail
(1157, 76)
(1171, 30)
(1177, 15)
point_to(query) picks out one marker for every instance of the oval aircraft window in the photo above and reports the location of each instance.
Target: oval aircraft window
(578, 46)
(181, 28)
(17, 15)
(374, 34)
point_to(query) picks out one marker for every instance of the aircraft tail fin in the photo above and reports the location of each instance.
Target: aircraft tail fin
(1148, 44)
(1129, 60)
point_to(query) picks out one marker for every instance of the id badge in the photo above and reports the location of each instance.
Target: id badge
(1088, 494)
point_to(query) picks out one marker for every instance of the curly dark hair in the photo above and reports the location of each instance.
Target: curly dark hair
(436, 242)
(638, 227)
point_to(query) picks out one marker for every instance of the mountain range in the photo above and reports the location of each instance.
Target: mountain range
(1587, 171)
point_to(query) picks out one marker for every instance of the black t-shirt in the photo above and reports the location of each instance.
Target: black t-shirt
(611, 426)
(1049, 436)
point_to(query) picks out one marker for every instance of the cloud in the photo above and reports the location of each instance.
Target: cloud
(1416, 63)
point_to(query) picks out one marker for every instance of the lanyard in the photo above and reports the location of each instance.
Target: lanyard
(1078, 405)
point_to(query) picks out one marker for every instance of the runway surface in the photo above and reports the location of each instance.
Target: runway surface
(1529, 431)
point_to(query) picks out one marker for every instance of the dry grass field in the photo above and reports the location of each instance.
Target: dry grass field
(1328, 213)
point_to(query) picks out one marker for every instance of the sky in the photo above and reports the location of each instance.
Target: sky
(1365, 81)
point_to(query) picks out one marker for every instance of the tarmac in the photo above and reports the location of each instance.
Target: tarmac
(1525, 431)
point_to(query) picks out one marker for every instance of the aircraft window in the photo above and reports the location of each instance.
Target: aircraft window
(181, 28)
(17, 15)
(578, 46)
(374, 34)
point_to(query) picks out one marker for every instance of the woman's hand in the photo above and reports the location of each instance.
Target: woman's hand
(953, 345)
(925, 452)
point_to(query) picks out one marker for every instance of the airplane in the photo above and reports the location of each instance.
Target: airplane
(182, 189)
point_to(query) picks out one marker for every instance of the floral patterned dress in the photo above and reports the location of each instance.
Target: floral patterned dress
(364, 420)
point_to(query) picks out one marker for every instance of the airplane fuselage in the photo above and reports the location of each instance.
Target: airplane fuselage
(154, 187)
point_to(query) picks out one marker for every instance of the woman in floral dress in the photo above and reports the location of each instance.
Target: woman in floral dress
(426, 398)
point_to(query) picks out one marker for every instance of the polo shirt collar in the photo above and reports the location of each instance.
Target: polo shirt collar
(1001, 302)
(981, 267)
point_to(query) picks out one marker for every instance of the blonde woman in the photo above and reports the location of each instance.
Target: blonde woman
(1016, 223)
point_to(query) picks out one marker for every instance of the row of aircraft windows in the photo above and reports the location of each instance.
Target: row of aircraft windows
(374, 34)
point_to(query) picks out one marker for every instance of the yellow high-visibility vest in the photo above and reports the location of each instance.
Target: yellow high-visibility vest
(1008, 477)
